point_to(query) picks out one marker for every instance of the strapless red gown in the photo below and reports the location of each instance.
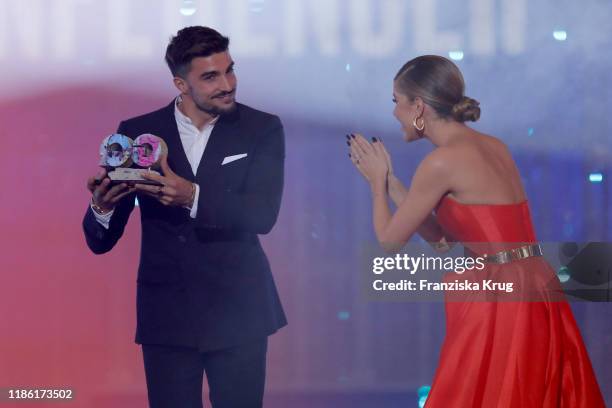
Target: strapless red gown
(518, 354)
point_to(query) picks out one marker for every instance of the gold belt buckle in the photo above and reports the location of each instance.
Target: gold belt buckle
(514, 254)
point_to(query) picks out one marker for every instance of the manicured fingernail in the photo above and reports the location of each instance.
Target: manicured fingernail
(349, 155)
(374, 140)
(348, 143)
(348, 137)
(353, 135)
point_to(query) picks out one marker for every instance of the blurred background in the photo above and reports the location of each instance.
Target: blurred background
(72, 69)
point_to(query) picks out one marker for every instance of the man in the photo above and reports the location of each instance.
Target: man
(206, 299)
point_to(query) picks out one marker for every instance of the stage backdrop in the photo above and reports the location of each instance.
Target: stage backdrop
(72, 69)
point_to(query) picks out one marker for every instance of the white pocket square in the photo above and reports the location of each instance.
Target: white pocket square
(235, 157)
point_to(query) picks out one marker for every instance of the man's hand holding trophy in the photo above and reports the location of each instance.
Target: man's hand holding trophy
(123, 162)
(128, 165)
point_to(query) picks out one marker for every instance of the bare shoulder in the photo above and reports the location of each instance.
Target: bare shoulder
(465, 153)
(433, 173)
(439, 161)
(478, 144)
(495, 142)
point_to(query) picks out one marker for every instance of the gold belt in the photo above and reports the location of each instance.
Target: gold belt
(514, 254)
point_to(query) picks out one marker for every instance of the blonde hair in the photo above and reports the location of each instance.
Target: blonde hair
(440, 84)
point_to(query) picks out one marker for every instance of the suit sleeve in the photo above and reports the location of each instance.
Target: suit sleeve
(99, 239)
(255, 208)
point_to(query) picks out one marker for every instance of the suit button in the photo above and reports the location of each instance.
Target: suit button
(182, 238)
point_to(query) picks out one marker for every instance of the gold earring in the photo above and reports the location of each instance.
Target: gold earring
(416, 126)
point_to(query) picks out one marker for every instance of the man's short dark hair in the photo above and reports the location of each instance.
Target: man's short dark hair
(190, 43)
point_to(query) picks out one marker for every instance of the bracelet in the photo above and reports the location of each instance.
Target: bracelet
(97, 208)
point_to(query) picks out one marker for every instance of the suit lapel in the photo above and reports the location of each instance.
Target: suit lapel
(222, 138)
(177, 158)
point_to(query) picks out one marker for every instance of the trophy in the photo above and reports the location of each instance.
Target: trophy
(125, 159)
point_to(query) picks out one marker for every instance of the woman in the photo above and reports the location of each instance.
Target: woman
(522, 351)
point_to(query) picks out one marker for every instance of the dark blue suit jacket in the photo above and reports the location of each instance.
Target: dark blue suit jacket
(206, 282)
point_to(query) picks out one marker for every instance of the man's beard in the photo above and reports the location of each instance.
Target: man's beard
(215, 110)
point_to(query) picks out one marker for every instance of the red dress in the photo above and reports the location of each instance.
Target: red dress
(511, 352)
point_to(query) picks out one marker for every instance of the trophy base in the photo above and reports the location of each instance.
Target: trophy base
(131, 176)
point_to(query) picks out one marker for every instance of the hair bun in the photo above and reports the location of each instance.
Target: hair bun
(467, 109)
